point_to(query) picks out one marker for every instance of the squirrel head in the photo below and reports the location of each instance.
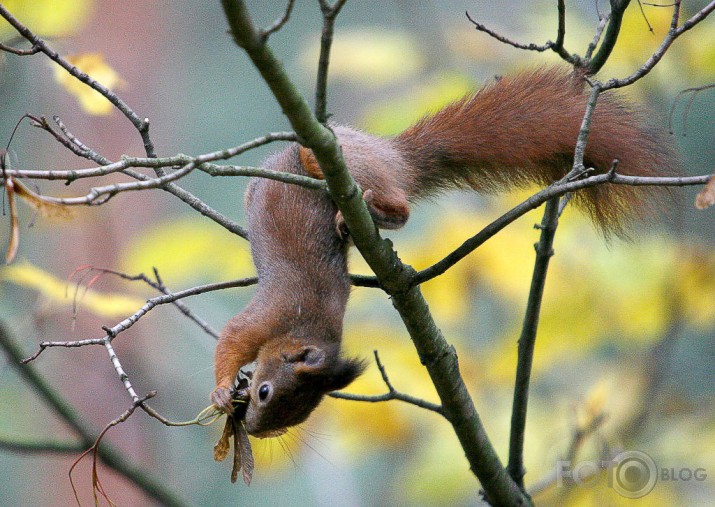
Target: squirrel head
(290, 380)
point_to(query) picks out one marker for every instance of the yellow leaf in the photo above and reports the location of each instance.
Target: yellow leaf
(187, 250)
(47, 18)
(370, 57)
(91, 101)
(105, 304)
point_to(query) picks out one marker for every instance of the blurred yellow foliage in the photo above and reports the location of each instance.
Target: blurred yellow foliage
(91, 101)
(636, 43)
(62, 292)
(186, 250)
(397, 113)
(368, 56)
(47, 18)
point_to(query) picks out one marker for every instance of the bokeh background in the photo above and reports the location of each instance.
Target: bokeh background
(626, 331)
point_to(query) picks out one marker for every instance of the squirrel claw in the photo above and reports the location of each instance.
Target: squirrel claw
(222, 398)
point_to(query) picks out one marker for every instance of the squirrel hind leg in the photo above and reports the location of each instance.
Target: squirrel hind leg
(387, 214)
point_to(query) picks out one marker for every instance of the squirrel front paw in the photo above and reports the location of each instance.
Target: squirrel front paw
(222, 398)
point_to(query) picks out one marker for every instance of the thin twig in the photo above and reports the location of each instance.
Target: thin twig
(674, 32)
(112, 332)
(330, 13)
(529, 47)
(602, 21)
(537, 200)
(20, 52)
(391, 394)
(527, 341)
(278, 23)
(94, 449)
(142, 126)
(111, 457)
(158, 285)
(694, 90)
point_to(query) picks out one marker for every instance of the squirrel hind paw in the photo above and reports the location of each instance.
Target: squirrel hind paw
(386, 215)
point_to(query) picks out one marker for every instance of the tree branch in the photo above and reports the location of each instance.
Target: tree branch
(330, 13)
(544, 251)
(391, 394)
(618, 8)
(111, 457)
(436, 354)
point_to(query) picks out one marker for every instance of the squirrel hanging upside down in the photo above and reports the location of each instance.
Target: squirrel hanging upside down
(516, 132)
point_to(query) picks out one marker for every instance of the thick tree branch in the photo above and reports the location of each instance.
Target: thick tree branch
(618, 8)
(436, 354)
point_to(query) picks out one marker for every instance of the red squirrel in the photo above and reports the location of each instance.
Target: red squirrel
(520, 130)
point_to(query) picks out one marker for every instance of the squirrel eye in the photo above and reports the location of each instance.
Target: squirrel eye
(264, 391)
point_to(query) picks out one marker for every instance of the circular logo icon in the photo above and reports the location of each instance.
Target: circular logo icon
(633, 474)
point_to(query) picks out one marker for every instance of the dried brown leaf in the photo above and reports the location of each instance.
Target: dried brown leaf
(46, 208)
(224, 443)
(236, 452)
(244, 449)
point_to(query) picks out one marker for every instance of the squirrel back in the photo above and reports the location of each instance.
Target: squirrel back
(518, 131)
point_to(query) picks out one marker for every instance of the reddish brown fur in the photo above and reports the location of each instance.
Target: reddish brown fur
(522, 130)
(519, 131)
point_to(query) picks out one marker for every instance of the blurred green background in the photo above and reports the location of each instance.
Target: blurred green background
(626, 329)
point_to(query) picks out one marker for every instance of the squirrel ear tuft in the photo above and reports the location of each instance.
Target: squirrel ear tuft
(344, 372)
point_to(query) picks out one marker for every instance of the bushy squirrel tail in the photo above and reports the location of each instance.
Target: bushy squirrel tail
(522, 130)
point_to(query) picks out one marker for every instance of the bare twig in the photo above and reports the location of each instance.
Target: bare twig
(94, 449)
(694, 91)
(557, 47)
(20, 52)
(126, 162)
(132, 319)
(110, 456)
(527, 341)
(602, 21)
(436, 354)
(529, 47)
(537, 200)
(330, 13)
(674, 32)
(391, 394)
(142, 126)
(278, 23)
